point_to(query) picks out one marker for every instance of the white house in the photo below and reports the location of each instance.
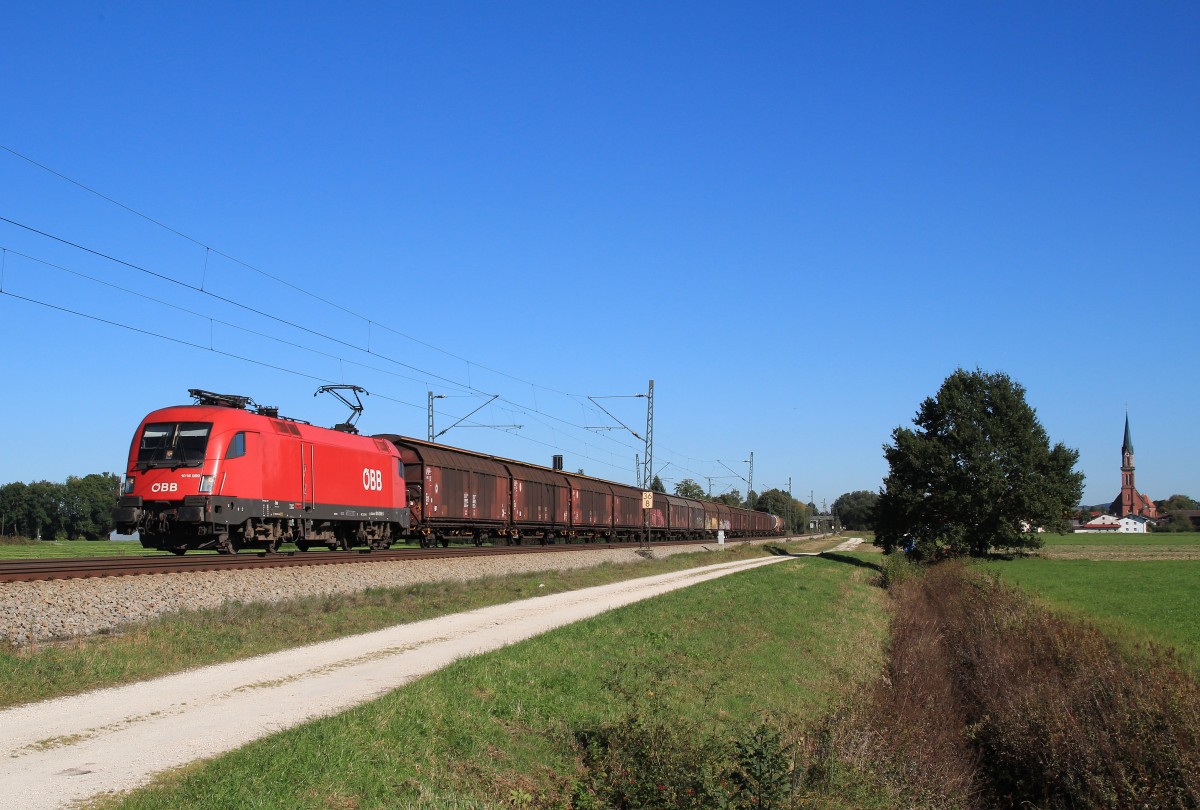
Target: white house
(1107, 524)
(1135, 523)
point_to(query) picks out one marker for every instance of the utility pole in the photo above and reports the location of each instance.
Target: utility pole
(789, 509)
(750, 483)
(649, 461)
(430, 420)
(649, 477)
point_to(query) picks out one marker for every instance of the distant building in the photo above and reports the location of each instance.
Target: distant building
(1107, 524)
(1131, 502)
(1101, 524)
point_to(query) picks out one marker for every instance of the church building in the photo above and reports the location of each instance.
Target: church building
(1131, 502)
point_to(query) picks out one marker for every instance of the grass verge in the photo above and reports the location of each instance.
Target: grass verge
(716, 664)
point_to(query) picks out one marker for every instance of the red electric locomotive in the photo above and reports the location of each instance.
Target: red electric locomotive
(216, 475)
(219, 475)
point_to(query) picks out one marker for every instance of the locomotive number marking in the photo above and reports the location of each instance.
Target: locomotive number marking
(170, 486)
(372, 480)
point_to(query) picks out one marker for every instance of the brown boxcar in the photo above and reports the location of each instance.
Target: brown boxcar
(659, 515)
(591, 506)
(453, 492)
(627, 511)
(541, 500)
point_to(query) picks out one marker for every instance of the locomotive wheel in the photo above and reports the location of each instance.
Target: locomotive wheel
(224, 544)
(178, 550)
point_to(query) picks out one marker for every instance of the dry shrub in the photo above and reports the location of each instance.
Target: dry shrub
(992, 701)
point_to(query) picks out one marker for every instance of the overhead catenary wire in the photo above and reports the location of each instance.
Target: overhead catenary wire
(613, 463)
(531, 411)
(277, 319)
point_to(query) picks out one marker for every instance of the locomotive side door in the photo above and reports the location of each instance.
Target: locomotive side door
(308, 494)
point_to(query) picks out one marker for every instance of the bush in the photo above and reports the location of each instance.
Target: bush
(652, 759)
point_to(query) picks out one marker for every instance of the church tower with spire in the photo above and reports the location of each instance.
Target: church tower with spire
(1130, 501)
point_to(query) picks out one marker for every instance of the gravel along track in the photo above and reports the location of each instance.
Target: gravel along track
(32, 612)
(63, 751)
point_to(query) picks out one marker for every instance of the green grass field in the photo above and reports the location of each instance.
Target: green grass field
(1137, 601)
(1150, 539)
(72, 548)
(498, 730)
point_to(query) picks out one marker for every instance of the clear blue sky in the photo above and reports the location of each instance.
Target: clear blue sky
(797, 218)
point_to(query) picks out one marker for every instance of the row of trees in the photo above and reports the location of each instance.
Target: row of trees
(80, 508)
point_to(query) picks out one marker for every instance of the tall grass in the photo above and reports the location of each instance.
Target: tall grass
(992, 701)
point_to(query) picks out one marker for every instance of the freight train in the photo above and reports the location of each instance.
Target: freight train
(226, 474)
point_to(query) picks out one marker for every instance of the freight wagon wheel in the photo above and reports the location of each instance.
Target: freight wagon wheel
(303, 545)
(443, 540)
(178, 550)
(480, 537)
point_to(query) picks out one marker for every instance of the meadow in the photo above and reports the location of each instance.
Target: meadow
(1140, 589)
(46, 549)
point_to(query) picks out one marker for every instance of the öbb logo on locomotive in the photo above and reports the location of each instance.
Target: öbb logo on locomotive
(227, 474)
(372, 479)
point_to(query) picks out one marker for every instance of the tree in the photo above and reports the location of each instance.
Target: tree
(977, 473)
(14, 508)
(856, 509)
(687, 488)
(731, 498)
(88, 505)
(1176, 502)
(44, 505)
(656, 485)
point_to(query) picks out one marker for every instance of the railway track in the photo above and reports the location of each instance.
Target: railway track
(81, 567)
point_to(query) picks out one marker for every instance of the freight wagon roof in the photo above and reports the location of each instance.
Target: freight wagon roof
(423, 446)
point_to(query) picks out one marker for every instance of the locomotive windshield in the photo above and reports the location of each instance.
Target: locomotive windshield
(173, 444)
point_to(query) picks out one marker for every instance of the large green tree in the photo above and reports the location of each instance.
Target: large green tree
(977, 473)
(687, 488)
(856, 510)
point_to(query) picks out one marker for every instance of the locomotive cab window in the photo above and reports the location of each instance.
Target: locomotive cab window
(237, 446)
(173, 444)
(400, 467)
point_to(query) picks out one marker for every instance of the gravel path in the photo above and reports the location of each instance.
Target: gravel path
(59, 752)
(32, 612)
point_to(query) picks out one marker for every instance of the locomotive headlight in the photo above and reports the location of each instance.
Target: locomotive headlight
(127, 488)
(206, 483)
